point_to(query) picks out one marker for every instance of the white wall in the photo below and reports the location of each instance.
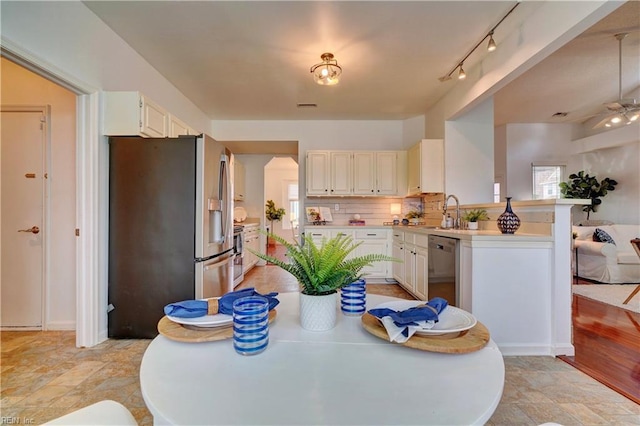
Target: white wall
(276, 173)
(22, 87)
(468, 155)
(530, 143)
(622, 164)
(500, 159)
(412, 131)
(77, 43)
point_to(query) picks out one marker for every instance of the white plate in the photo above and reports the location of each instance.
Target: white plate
(239, 214)
(450, 320)
(208, 321)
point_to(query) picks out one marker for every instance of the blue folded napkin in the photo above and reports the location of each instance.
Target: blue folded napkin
(401, 325)
(411, 316)
(199, 308)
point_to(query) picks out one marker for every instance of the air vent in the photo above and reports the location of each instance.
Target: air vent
(560, 114)
(303, 105)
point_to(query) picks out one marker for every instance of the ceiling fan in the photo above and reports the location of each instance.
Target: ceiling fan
(622, 111)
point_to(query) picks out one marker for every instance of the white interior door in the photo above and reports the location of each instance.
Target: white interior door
(23, 157)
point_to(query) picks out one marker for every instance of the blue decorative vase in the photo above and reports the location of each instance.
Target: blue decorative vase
(353, 298)
(508, 222)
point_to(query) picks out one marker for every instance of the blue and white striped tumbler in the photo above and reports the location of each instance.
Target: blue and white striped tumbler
(353, 298)
(250, 325)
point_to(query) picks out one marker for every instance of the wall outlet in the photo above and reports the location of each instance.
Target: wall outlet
(337, 207)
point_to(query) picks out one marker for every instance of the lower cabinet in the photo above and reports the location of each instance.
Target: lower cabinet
(252, 241)
(373, 241)
(416, 265)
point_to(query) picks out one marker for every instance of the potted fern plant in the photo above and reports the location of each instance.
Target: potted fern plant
(321, 270)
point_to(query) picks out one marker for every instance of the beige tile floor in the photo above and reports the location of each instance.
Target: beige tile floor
(43, 376)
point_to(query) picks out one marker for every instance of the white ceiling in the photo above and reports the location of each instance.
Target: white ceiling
(250, 60)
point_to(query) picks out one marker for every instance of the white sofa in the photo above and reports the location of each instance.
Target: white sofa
(606, 262)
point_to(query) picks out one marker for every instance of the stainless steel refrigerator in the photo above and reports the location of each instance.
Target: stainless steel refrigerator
(170, 227)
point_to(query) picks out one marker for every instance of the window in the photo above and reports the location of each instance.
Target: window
(546, 181)
(291, 203)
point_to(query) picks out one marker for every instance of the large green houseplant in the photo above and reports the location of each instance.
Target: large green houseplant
(583, 186)
(321, 270)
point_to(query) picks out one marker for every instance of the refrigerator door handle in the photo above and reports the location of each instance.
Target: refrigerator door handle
(217, 264)
(205, 259)
(221, 206)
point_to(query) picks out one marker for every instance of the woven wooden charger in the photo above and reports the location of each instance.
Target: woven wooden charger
(470, 340)
(180, 333)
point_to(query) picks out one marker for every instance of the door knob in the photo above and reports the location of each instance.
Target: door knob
(33, 230)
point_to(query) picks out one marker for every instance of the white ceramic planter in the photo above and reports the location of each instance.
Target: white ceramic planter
(472, 225)
(318, 313)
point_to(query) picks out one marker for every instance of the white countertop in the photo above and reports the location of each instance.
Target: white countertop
(342, 376)
(459, 234)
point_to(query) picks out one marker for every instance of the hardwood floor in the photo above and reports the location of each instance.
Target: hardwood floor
(607, 345)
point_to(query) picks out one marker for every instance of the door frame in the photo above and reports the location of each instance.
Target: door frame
(91, 190)
(45, 111)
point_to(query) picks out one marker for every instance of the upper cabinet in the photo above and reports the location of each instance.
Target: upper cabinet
(346, 173)
(318, 173)
(133, 114)
(238, 181)
(425, 167)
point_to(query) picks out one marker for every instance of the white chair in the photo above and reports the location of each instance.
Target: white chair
(101, 413)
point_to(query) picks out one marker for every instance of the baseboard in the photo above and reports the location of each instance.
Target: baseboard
(525, 350)
(61, 325)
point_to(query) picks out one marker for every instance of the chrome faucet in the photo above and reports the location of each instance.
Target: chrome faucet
(456, 223)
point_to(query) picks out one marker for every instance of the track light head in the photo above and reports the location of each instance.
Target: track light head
(462, 75)
(492, 44)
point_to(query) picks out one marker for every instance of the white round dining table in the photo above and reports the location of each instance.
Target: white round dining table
(345, 376)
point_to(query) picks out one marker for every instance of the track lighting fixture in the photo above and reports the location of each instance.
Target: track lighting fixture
(492, 44)
(490, 47)
(462, 75)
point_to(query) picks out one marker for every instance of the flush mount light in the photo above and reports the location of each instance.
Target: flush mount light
(327, 72)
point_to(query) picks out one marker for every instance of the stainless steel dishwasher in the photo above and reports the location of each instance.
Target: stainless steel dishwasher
(443, 269)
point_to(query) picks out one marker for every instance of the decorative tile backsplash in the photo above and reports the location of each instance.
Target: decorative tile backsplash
(376, 211)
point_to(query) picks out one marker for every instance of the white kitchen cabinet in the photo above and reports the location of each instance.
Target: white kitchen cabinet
(397, 251)
(386, 173)
(416, 265)
(251, 241)
(317, 234)
(374, 240)
(133, 114)
(375, 173)
(238, 181)
(318, 173)
(347, 173)
(425, 167)
(364, 173)
(340, 173)
(178, 127)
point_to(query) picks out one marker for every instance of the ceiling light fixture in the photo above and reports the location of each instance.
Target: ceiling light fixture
(327, 72)
(462, 75)
(492, 43)
(490, 47)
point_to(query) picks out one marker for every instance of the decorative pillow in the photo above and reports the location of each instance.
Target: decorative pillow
(601, 236)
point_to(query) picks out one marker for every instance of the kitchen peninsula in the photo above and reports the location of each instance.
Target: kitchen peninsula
(518, 285)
